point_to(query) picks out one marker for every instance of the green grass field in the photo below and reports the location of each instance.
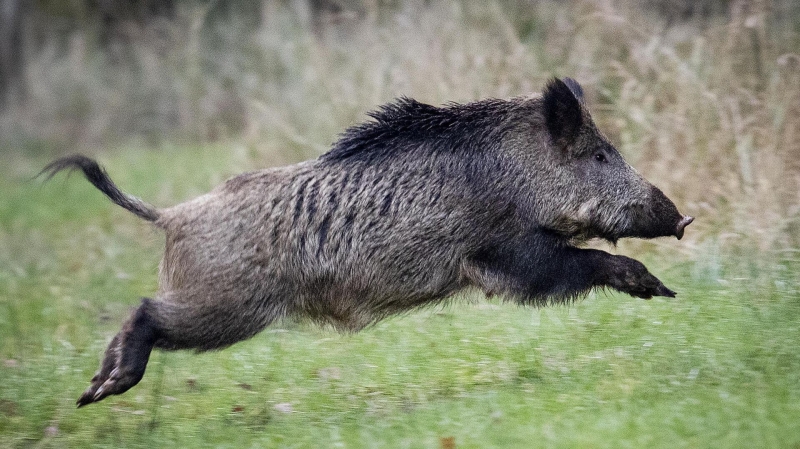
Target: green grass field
(717, 367)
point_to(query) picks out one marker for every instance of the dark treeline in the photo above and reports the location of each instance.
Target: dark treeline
(86, 70)
(25, 26)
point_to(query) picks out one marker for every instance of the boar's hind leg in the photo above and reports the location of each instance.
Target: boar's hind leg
(174, 322)
(126, 357)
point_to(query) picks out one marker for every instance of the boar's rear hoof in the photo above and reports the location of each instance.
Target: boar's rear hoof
(125, 359)
(116, 382)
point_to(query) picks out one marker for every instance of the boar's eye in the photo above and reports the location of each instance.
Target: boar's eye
(600, 157)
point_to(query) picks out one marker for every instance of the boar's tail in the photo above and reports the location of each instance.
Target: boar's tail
(100, 179)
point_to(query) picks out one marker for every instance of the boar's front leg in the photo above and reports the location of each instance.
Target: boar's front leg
(541, 267)
(628, 275)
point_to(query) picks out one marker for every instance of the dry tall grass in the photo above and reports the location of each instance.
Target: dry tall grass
(708, 108)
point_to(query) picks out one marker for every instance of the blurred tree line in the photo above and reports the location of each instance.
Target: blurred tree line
(96, 71)
(112, 25)
(26, 25)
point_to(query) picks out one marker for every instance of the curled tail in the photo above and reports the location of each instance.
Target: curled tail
(100, 179)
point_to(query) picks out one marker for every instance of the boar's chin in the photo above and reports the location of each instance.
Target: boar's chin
(581, 231)
(666, 228)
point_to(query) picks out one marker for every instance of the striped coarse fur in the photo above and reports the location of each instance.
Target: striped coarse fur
(405, 210)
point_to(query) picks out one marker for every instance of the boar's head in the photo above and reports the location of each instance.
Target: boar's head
(589, 191)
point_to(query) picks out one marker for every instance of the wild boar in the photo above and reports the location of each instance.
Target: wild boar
(405, 210)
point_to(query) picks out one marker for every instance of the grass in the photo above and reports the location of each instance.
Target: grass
(716, 367)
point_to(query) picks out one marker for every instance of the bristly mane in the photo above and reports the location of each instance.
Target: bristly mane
(406, 124)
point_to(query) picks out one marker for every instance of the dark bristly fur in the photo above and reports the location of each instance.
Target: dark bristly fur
(405, 210)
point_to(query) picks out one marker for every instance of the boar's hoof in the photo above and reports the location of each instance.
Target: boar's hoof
(649, 286)
(117, 382)
(631, 276)
(662, 290)
(125, 359)
(685, 221)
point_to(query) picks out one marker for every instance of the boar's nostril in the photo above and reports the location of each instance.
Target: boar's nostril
(685, 221)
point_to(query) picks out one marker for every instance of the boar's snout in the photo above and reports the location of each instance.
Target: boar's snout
(669, 214)
(660, 218)
(685, 221)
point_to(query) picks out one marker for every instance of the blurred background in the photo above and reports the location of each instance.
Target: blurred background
(702, 96)
(174, 96)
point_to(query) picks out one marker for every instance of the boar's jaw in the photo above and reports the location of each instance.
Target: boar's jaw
(592, 220)
(657, 217)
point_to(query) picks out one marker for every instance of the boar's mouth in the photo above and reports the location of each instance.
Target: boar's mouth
(654, 228)
(655, 217)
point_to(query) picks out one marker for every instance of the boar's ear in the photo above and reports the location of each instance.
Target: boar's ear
(575, 88)
(562, 110)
